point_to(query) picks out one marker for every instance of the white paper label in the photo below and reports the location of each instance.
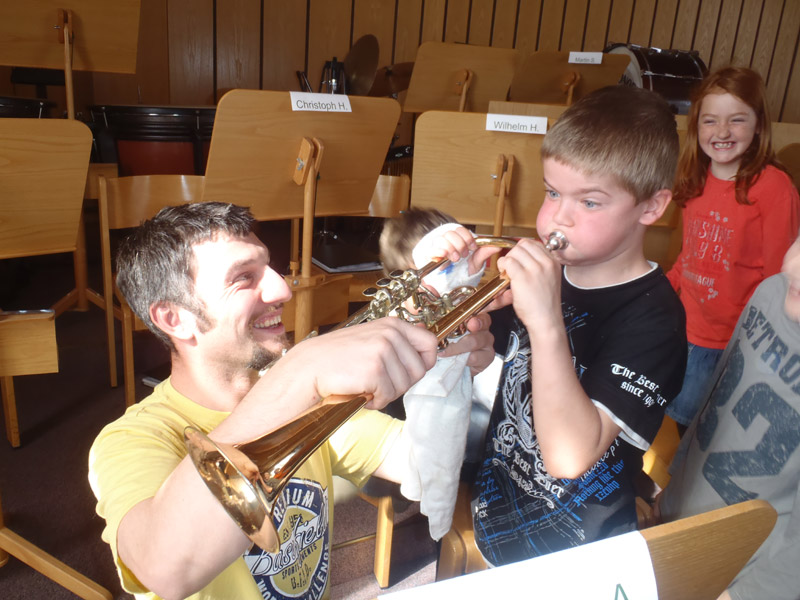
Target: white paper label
(616, 568)
(516, 123)
(320, 102)
(586, 58)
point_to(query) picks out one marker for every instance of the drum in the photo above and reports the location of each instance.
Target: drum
(22, 108)
(671, 73)
(152, 140)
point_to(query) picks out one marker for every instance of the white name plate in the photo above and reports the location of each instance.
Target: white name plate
(586, 58)
(516, 123)
(320, 102)
(617, 568)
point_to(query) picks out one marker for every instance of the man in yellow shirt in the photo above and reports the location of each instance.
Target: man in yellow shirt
(201, 281)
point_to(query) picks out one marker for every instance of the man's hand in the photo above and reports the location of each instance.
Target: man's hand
(382, 358)
(479, 343)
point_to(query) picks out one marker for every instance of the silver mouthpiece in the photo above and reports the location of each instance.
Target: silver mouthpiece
(556, 241)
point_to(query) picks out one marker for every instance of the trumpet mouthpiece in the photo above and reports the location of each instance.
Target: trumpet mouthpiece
(556, 241)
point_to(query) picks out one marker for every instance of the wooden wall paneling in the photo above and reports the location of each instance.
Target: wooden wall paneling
(642, 22)
(706, 29)
(528, 27)
(407, 39)
(551, 24)
(505, 23)
(685, 23)
(785, 46)
(407, 31)
(152, 62)
(328, 35)
(574, 25)
(791, 103)
(238, 45)
(480, 22)
(728, 25)
(376, 17)
(619, 26)
(746, 35)
(284, 46)
(190, 24)
(766, 37)
(433, 13)
(664, 24)
(456, 27)
(597, 25)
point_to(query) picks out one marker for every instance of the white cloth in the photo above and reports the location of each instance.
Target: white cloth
(437, 419)
(438, 411)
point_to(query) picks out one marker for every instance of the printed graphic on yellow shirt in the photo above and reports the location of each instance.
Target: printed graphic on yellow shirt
(300, 568)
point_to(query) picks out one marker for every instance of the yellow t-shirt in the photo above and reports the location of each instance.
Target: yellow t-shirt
(135, 454)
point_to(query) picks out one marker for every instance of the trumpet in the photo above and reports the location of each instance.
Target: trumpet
(248, 478)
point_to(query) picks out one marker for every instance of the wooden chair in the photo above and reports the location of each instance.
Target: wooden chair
(693, 559)
(697, 558)
(43, 164)
(28, 346)
(125, 202)
(656, 461)
(789, 156)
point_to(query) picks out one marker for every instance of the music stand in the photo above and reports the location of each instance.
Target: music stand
(459, 77)
(42, 178)
(287, 164)
(479, 177)
(42, 175)
(547, 77)
(85, 35)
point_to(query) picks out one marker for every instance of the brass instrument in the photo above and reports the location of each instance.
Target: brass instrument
(248, 478)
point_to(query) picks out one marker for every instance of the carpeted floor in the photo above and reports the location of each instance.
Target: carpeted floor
(45, 493)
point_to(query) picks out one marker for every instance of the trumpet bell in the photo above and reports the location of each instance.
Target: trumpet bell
(247, 479)
(223, 469)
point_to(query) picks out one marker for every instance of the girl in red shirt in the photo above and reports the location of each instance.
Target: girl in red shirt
(740, 215)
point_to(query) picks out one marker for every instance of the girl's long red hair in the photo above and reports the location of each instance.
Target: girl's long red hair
(748, 87)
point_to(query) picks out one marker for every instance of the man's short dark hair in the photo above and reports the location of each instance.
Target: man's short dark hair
(156, 262)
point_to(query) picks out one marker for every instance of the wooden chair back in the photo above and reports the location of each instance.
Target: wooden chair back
(697, 558)
(27, 347)
(693, 559)
(131, 200)
(789, 156)
(125, 202)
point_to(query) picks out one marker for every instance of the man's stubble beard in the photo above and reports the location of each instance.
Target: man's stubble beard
(262, 356)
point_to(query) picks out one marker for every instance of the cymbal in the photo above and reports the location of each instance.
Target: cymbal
(361, 64)
(392, 80)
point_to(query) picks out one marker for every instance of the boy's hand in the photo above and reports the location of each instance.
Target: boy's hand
(535, 285)
(453, 245)
(460, 243)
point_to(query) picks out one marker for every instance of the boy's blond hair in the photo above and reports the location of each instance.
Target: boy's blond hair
(402, 233)
(626, 132)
